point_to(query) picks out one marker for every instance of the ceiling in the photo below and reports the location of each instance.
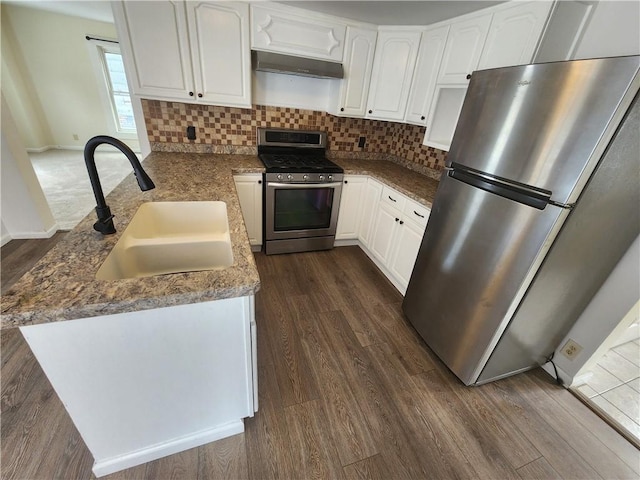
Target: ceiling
(94, 10)
(399, 12)
(377, 12)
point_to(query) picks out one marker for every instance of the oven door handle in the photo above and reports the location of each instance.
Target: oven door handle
(304, 185)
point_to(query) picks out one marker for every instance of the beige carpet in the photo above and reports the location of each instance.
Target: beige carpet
(63, 177)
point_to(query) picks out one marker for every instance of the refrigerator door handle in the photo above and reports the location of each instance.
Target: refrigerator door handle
(516, 192)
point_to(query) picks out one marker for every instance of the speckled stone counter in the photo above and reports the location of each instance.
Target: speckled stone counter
(62, 285)
(420, 188)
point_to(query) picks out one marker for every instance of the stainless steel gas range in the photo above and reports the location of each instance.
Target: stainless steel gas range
(302, 191)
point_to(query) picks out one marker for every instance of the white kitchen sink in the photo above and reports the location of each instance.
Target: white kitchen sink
(171, 237)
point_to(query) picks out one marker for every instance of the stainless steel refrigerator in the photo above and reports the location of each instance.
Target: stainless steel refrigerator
(539, 200)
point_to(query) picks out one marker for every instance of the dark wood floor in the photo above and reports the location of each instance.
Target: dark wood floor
(347, 390)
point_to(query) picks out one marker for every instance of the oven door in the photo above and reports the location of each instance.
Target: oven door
(301, 210)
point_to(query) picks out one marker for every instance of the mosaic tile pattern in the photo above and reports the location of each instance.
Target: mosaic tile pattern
(223, 129)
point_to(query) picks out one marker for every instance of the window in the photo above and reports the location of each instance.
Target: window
(112, 85)
(118, 89)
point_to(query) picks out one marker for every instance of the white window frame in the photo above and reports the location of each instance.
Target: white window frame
(97, 48)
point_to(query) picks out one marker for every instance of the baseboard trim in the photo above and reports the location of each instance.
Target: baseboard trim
(121, 462)
(26, 235)
(6, 238)
(40, 149)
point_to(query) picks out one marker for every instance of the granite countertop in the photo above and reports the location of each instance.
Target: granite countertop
(62, 285)
(420, 188)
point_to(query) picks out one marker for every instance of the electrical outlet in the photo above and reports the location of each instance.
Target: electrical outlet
(571, 349)
(361, 142)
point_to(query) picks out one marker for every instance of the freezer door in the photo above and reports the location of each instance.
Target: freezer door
(478, 254)
(543, 125)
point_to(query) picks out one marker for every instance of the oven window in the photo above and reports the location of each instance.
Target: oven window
(302, 209)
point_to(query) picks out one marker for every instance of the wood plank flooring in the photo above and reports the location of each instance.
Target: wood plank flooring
(347, 389)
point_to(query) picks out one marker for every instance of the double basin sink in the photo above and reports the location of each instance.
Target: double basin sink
(171, 237)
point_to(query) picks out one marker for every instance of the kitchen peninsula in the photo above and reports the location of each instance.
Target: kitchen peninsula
(151, 366)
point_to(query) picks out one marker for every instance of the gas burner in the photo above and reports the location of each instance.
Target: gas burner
(294, 151)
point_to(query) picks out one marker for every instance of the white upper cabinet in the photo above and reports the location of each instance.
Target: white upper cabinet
(219, 39)
(514, 35)
(508, 35)
(360, 46)
(306, 34)
(426, 74)
(463, 49)
(187, 51)
(393, 65)
(162, 63)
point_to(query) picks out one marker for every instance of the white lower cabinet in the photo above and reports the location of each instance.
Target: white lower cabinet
(390, 230)
(349, 215)
(384, 230)
(408, 238)
(249, 188)
(370, 199)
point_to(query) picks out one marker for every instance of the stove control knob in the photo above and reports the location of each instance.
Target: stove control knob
(279, 176)
(305, 177)
(289, 177)
(329, 177)
(321, 177)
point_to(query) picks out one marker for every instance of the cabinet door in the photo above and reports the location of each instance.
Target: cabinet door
(219, 39)
(463, 49)
(393, 66)
(249, 188)
(405, 251)
(514, 35)
(156, 39)
(370, 200)
(426, 74)
(358, 62)
(350, 207)
(387, 219)
(304, 34)
(567, 22)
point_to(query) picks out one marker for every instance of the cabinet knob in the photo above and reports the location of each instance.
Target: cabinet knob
(342, 109)
(422, 117)
(199, 95)
(397, 219)
(370, 111)
(259, 182)
(401, 222)
(191, 94)
(468, 76)
(346, 181)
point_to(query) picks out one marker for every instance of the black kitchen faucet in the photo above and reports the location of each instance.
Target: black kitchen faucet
(104, 224)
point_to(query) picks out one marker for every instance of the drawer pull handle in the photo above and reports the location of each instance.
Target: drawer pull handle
(392, 199)
(421, 216)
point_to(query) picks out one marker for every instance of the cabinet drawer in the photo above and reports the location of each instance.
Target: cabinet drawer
(393, 198)
(416, 212)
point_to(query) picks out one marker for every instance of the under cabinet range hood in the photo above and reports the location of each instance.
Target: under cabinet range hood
(292, 65)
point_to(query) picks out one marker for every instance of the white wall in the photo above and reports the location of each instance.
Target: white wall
(50, 53)
(24, 211)
(614, 29)
(280, 90)
(613, 302)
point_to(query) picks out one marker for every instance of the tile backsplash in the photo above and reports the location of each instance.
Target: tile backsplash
(233, 130)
